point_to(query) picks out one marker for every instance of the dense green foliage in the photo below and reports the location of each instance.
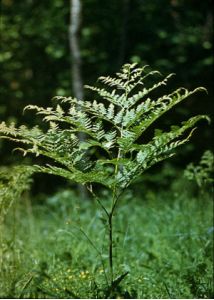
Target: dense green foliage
(202, 173)
(13, 182)
(164, 241)
(35, 56)
(129, 113)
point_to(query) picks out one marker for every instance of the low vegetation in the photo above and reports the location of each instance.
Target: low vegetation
(163, 240)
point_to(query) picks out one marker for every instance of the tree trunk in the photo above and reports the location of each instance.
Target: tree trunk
(123, 33)
(76, 76)
(75, 21)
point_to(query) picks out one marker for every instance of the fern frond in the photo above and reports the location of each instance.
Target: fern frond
(164, 143)
(148, 114)
(114, 128)
(112, 97)
(96, 175)
(131, 101)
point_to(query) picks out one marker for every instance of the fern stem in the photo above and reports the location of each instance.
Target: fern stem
(115, 198)
(111, 266)
(98, 200)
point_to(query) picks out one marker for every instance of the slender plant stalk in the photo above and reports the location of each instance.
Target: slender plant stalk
(111, 247)
(109, 216)
(115, 198)
(110, 228)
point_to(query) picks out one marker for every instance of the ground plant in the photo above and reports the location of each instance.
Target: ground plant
(116, 148)
(202, 173)
(164, 240)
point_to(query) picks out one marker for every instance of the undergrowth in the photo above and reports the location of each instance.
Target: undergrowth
(166, 240)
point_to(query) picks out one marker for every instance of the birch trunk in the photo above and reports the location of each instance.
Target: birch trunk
(123, 32)
(75, 21)
(76, 76)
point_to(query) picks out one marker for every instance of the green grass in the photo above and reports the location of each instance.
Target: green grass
(163, 239)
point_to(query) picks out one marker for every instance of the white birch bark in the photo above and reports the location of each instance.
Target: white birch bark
(76, 76)
(75, 21)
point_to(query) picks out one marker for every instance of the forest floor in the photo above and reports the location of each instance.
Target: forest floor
(163, 239)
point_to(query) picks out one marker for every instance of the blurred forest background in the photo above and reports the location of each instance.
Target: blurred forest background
(36, 62)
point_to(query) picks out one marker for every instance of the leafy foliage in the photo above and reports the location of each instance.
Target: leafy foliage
(13, 182)
(169, 256)
(37, 47)
(202, 173)
(115, 127)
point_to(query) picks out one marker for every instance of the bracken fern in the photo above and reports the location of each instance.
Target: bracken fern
(113, 152)
(129, 113)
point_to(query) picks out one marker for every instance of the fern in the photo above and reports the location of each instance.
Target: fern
(13, 182)
(202, 173)
(113, 125)
(129, 114)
